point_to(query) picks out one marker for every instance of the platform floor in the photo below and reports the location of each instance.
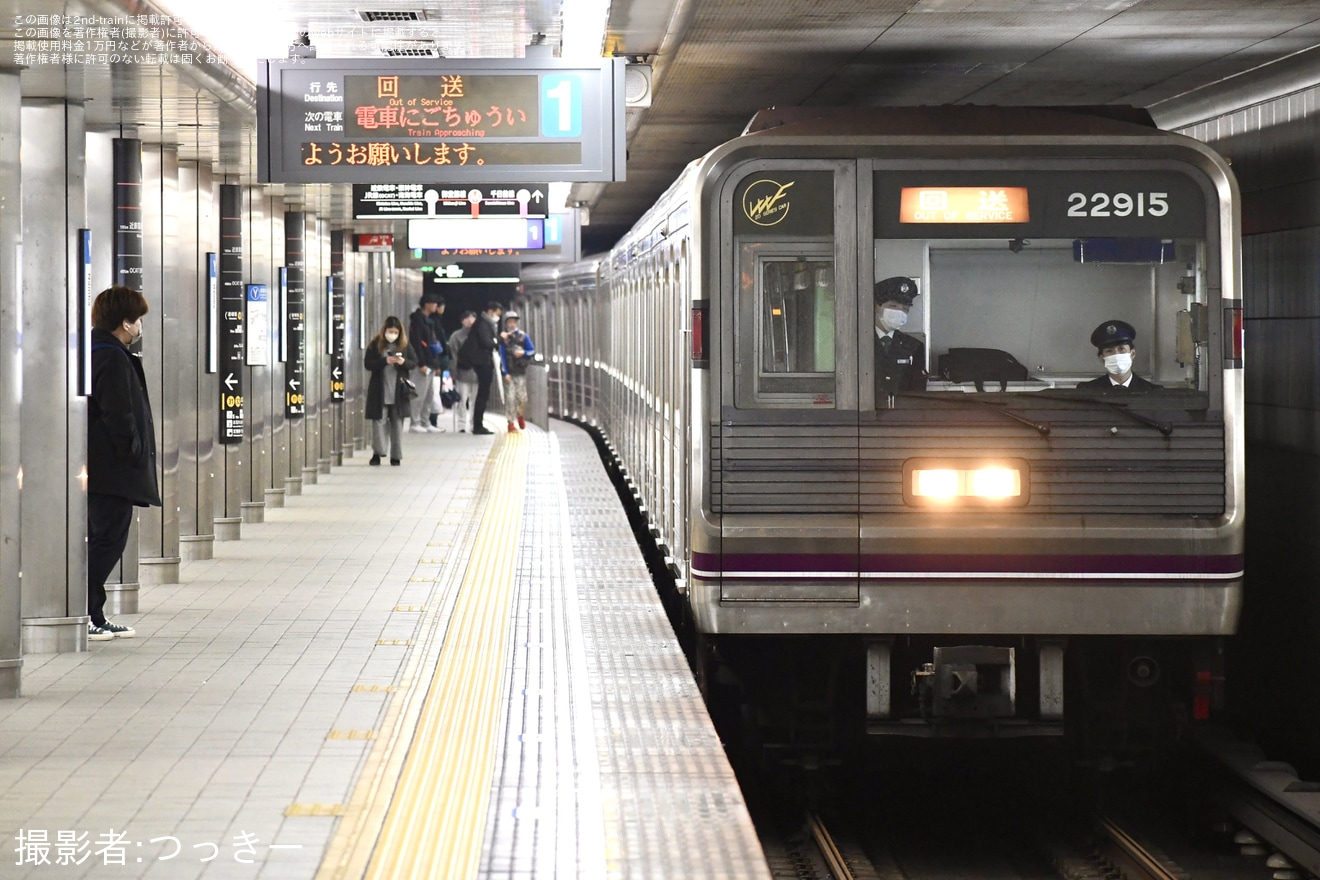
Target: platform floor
(453, 668)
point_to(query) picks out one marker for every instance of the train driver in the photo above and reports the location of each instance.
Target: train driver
(900, 359)
(1113, 345)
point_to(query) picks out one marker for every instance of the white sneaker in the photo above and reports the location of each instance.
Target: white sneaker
(435, 429)
(417, 429)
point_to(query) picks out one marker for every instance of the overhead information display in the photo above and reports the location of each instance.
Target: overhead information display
(465, 232)
(510, 121)
(563, 244)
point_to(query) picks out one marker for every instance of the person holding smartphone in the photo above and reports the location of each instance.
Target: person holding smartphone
(121, 446)
(389, 360)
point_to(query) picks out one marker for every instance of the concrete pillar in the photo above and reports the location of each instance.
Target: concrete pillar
(163, 285)
(294, 390)
(231, 473)
(314, 348)
(257, 257)
(11, 234)
(53, 418)
(197, 395)
(277, 433)
(123, 188)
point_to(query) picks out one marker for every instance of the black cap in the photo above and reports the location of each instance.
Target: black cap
(1113, 333)
(899, 289)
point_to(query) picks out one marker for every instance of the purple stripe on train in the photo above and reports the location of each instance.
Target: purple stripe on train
(957, 563)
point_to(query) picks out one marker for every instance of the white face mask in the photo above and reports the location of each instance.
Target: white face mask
(391, 335)
(892, 319)
(1118, 364)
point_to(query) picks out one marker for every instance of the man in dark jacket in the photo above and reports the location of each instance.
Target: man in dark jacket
(430, 358)
(121, 446)
(478, 355)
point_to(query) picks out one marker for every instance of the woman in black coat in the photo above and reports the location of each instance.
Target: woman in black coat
(389, 360)
(121, 446)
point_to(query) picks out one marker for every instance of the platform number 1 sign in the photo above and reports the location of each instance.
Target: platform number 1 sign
(561, 105)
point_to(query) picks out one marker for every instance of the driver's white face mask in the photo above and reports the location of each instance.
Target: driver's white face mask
(892, 319)
(1118, 364)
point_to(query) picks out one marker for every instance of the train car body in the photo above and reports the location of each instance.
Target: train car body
(982, 548)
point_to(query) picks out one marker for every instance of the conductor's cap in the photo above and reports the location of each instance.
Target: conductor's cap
(1113, 333)
(899, 289)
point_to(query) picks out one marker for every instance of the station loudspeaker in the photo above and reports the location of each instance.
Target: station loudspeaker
(637, 86)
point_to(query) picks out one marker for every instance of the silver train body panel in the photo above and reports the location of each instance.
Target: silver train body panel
(786, 493)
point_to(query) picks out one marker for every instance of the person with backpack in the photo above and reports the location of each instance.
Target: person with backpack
(464, 377)
(516, 353)
(429, 349)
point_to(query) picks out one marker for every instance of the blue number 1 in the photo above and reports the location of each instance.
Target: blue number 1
(561, 105)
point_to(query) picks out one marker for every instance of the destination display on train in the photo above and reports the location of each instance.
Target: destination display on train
(964, 204)
(510, 121)
(1045, 204)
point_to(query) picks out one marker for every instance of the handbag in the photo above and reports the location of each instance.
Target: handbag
(407, 390)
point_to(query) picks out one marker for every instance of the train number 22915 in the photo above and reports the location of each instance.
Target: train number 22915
(1154, 204)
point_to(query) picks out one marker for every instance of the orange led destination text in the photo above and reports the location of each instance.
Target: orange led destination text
(963, 204)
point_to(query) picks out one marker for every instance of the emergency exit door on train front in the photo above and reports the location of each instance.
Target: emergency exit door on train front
(785, 450)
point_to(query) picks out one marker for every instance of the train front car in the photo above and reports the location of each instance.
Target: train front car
(917, 491)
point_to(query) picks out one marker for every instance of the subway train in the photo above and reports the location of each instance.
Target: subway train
(989, 547)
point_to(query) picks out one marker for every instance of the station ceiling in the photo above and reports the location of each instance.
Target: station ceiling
(716, 62)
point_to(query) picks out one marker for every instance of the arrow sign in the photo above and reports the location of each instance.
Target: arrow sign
(230, 381)
(336, 372)
(294, 383)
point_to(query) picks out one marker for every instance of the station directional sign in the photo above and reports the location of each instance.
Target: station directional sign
(464, 121)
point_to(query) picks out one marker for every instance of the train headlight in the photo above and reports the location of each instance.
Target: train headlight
(948, 483)
(936, 483)
(995, 482)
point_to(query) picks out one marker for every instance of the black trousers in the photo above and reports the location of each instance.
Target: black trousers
(108, 519)
(485, 376)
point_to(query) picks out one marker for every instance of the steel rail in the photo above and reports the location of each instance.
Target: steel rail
(829, 850)
(1133, 859)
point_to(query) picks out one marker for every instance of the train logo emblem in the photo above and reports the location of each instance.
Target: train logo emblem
(764, 202)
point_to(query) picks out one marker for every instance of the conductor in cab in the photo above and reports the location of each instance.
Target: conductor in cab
(900, 359)
(1113, 341)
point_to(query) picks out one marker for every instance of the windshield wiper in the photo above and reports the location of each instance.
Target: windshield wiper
(1164, 428)
(1043, 428)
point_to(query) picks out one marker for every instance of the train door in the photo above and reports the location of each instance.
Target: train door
(785, 450)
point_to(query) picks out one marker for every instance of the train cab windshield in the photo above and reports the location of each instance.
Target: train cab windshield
(1023, 316)
(1048, 287)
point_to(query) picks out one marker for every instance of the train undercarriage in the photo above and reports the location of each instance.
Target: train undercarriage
(1115, 700)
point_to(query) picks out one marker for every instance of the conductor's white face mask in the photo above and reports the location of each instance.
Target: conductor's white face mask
(1118, 364)
(892, 319)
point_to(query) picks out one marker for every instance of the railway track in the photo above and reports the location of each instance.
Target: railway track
(1227, 813)
(814, 852)
(1118, 850)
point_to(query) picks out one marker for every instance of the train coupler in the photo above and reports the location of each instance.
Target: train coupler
(967, 682)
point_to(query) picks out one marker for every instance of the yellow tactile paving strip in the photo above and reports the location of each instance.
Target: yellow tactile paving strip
(431, 825)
